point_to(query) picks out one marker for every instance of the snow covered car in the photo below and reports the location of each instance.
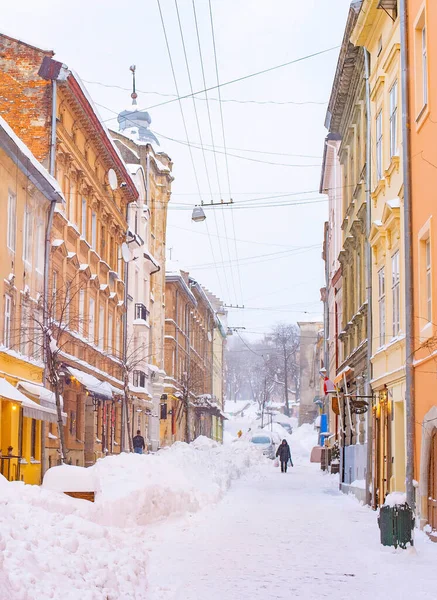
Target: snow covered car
(264, 442)
(288, 428)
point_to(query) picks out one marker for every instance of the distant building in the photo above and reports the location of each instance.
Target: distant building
(310, 355)
(194, 349)
(151, 169)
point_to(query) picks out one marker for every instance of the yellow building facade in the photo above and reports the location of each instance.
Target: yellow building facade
(378, 31)
(26, 192)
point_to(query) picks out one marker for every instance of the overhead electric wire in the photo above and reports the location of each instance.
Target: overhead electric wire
(224, 146)
(274, 102)
(244, 77)
(210, 128)
(197, 232)
(226, 154)
(249, 260)
(185, 127)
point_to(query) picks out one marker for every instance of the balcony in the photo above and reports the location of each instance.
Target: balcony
(141, 314)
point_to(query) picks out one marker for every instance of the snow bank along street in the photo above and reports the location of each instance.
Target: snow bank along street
(203, 521)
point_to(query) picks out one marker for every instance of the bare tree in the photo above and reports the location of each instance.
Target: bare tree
(44, 330)
(285, 339)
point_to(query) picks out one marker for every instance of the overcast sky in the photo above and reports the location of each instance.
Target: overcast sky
(275, 266)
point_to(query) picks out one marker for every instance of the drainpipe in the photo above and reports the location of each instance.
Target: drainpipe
(52, 165)
(368, 254)
(409, 282)
(124, 406)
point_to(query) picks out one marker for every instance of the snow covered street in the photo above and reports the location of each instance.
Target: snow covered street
(203, 521)
(288, 536)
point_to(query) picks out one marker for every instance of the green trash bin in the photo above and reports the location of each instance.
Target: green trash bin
(396, 524)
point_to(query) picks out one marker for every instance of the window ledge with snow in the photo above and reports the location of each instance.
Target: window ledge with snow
(141, 322)
(426, 332)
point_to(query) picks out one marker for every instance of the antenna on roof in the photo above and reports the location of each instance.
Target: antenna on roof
(134, 94)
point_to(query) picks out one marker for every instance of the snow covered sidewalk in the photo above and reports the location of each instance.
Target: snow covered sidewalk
(278, 536)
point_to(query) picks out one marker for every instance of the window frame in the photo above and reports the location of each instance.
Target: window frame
(379, 145)
(396, 292)
(382, 305)
(11, 234)
(84, 217)
(91, 320)
(424, 64)
(94, 230)
(428, 279)
(27, 234)
(7, 321)
(394, 95)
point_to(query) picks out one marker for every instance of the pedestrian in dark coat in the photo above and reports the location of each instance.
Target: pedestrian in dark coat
(139, 443)
(284, 454)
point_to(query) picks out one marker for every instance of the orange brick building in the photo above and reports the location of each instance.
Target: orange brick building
(86, 275)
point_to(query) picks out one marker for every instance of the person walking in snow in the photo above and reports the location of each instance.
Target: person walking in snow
(284, 454)
(139, 444)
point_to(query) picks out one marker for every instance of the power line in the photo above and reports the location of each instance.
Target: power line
(261, 102)
(244, 77)
(224, 146)
(210, 128)
(200, 136)
(289, 246)
(226, 154)
(186, 130)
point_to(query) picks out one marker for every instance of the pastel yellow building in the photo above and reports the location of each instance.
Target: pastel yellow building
(378, 30)
(26, 192)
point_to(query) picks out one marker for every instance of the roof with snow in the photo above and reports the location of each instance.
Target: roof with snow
(20, 154)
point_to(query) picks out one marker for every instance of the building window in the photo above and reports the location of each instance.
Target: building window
(7, 321)
(424, 66)
(379, 46)
(72, 202)
(141, 312)
(394, 120)
(379, 145)
(396, 292)
(84, 218)
(358, 280)
(12, 220)
(381, 305)
(139, 378)
(428, 280)
(72, 427)
(81, 310)
(40, 247)
(27, 234)
(103, 242)
(91, 318)
(54, 293)
(33, 454)
(109, 335)
(118, 337)
(93, 230)
(101, 326)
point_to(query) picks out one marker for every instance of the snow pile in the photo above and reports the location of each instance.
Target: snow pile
(54, 546)
(139, 489)
(303, 440)
(395, 499)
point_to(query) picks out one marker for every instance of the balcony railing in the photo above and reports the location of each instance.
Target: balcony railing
(141, 311)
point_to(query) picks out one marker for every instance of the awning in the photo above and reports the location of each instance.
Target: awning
(100, 389)
(45, 396)
(31, 409)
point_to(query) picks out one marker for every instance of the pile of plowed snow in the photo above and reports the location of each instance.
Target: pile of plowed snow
(54, 546)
